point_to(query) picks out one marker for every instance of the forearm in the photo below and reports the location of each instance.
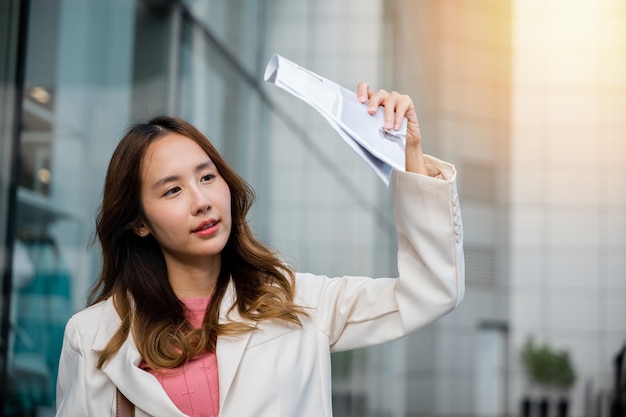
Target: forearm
(430, 244)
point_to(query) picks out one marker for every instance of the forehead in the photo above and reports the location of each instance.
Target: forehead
(173, 149)
(172, 154)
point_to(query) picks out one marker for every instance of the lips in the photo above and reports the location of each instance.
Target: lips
(205, 226)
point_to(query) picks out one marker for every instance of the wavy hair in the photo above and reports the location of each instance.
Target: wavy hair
(135, 275)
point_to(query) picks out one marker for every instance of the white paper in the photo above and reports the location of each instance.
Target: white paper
(381, 149)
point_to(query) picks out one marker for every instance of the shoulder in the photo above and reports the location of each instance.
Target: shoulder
(91, 313)
(87, 323)
(308, 288)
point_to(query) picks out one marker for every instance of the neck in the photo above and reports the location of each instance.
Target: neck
(194, 280)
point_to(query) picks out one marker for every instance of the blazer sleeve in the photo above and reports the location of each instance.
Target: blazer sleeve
(360, 311)
(71, 393)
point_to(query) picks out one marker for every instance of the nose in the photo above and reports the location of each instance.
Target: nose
(200, 201)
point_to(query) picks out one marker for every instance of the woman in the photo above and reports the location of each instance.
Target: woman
(193, 316)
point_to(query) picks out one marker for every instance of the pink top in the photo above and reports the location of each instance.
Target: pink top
(194, 387)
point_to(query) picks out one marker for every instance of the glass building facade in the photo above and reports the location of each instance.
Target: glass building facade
(79, 72)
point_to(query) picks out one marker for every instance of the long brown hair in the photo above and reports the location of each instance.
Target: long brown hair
(134, 271)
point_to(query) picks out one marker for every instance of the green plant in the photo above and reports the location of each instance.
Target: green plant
(548, 367)
(564, 375)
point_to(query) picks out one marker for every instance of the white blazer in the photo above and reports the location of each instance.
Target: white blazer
(283, 370)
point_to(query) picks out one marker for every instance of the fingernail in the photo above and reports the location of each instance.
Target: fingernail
(362, 98)
(387, 124)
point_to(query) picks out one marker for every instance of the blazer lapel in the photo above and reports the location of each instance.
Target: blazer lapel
(140, 387)
(230, 349)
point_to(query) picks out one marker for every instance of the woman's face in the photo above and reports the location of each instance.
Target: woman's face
(186, 202)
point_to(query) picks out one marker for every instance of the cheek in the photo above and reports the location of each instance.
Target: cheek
(227, 207)
(161, 220)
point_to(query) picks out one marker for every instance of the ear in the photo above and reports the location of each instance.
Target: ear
(142, 231)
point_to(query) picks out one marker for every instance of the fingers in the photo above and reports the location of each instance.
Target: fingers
(376, 99)
(397, 106)
(363, 91)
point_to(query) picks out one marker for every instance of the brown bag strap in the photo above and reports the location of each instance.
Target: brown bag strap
(123, 408)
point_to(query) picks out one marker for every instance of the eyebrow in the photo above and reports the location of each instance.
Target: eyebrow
(200, 167)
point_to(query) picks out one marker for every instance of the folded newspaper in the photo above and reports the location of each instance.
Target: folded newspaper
(380, 148)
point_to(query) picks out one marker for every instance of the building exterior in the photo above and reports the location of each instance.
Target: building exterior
(568, 176)
(79, 72)
(455, 58)
(501, 91)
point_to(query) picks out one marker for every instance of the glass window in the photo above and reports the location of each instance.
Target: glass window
(91, 69)
(78, 83)
(237, 25)
(9, 46)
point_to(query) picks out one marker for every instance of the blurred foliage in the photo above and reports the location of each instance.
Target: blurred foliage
(546, 366)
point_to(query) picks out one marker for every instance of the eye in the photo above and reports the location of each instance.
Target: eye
(207, 177)
(171, 191)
